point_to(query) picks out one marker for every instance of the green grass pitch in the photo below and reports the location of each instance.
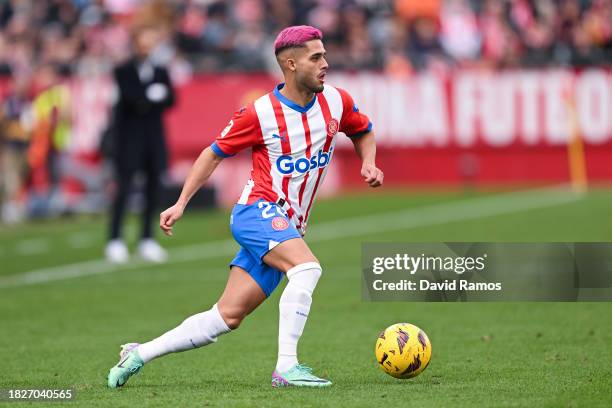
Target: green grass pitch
(67, 332)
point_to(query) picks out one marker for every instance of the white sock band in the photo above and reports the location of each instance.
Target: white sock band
(294, 307)
(195, 331)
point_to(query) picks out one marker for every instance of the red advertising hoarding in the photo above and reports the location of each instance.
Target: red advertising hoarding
(476, 127)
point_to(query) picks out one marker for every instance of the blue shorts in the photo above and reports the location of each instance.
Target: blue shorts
(258, 228)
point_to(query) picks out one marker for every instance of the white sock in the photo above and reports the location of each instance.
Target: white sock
(294, 306)
(195, 331)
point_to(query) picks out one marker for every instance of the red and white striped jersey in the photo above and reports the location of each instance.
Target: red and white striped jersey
(292, 146)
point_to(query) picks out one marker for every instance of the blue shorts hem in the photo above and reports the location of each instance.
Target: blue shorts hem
(264, 275)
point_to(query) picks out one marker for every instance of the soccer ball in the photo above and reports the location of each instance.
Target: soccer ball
(403, 350)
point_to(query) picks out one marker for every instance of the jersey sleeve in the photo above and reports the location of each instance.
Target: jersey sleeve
(353, 122)
(239, 134)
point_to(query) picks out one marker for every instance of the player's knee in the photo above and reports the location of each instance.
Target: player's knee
(310, 258)
(305, 275)
(316, 271)
(316, 260)
(310, 268)
(233, 322)
(232, 316)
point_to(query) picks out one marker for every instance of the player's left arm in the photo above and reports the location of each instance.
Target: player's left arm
(358, 128)
(365, 146)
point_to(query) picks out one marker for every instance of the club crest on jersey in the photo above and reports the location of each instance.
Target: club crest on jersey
(332, 127)
(279, 224)
(287, 165)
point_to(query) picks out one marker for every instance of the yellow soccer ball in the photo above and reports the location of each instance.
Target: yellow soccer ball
(403, 350)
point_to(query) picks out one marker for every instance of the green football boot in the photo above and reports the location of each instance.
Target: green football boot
(129, 364)
(298, 376)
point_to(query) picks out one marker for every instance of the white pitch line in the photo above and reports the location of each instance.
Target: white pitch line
(81, 240)
(98, 266)
(436, 214)
(77, 240)
(443, 213)
(34, 246)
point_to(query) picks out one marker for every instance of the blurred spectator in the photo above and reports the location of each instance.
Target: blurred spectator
(424, 46)
(145, 92)
(218, 36)
(51, 134)
(359, 50)
(15, 133)
(500, 44)
(459, 32)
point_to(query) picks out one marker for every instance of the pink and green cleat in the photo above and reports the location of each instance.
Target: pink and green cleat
(298, 376)
(129, 364)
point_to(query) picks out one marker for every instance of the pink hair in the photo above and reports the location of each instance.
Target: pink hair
(295, 36)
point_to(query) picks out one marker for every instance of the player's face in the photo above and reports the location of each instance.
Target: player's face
(311, 66)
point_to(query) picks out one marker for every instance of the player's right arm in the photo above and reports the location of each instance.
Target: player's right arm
(239, 134)
(200, 172)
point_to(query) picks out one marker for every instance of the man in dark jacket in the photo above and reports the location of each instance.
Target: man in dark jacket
(145, 92)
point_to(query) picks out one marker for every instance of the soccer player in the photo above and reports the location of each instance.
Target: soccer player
(292, 132)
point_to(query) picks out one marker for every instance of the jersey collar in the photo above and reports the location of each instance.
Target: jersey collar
(290, 103)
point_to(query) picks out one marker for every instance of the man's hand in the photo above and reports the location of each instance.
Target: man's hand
(372, 175)
(201, 170)
(169, 217)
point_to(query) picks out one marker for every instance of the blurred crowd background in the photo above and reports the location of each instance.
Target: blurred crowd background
(203, 35)
(43, 42)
